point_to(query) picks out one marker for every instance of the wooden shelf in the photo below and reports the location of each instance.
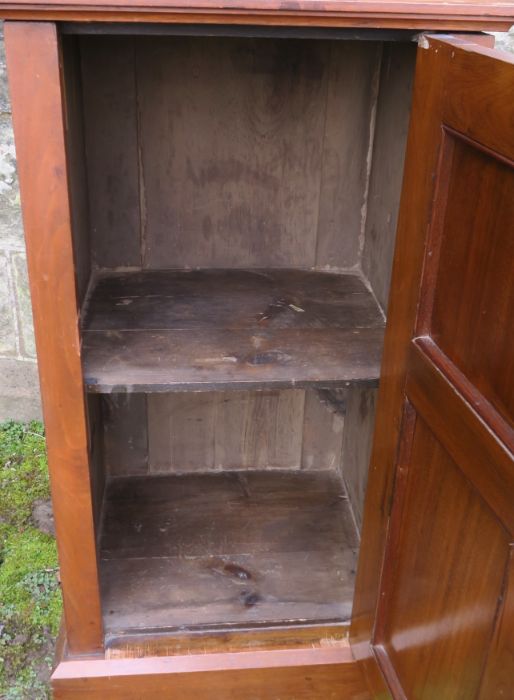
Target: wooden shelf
(204, 330)
(226, 550)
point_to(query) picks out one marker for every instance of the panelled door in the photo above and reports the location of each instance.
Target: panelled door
(438, 603)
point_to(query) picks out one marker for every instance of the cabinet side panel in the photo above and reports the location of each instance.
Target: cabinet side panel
(37, 101)
(351, 101)
(392, 122)
(72, 88)
(357, 441)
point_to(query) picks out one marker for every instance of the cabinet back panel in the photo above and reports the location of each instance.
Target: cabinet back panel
(212, 152)
(206, 431)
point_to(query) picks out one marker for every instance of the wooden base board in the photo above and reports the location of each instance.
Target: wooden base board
(288, 674)
(207, 642)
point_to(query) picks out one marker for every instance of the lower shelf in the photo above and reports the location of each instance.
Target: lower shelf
(227, 550)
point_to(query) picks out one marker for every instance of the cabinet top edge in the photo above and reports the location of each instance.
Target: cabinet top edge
(454, 15)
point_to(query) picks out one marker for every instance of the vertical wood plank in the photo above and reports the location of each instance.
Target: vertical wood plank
(225, 430)
(392, 123)
(37, 102)
(72, 87)
(268, 431)
(125, 434)
(108, 67)
(358, 438)
(323, 429)
(181, 432)
(231, 134)
(96, 455)
(350, 109)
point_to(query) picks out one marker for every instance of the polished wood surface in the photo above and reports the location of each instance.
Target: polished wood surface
(281, 637)
(226, 550)
(297, 674)
(445, 598)
(432, 14)
(161, 331)
(35, 86)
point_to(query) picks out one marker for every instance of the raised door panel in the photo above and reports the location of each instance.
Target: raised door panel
(442, 471)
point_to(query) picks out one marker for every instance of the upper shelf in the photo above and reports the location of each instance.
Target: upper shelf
(203, 330)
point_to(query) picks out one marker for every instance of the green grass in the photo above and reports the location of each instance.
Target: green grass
(30, 599)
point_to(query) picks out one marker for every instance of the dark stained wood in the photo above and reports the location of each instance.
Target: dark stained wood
(425, 641)
(449, 487)
(232, 299)
(226, 549)
(97, 471)
(471, 314)
(385, 179)
(119, 361)
(161, 331)
(434, 14)
(110, 117)
(37, 101)
(467, 438)
(497, 679)
(297, 674)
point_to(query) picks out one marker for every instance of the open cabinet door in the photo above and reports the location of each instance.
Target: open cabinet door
(435, 591)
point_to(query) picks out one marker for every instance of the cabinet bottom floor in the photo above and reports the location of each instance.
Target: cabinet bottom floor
(226, 551)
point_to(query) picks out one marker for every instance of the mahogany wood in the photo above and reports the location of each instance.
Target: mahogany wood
(444, 400)
(298, 674)
(432, 14)
(35, 80)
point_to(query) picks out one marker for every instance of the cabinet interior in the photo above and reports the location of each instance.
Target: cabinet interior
(234, 202)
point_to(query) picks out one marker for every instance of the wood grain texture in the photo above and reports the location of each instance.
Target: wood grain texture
(125, 434)
(110, 117)
(498, 678)
(313, 674)
(350, 104)
(470, 318)
(213, 329)
(323, 428)
(448, 545)
(236, 430)
(35, 84)
(385, 180)
(281, 637)
(439, 648)
(225, 430)
(226, 550)
(77, 173)
(237, 184)
(97, 470)
(442, 72)
(434, 14)
(357, 442)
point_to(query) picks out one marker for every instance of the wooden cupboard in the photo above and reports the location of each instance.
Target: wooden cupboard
(281, 463)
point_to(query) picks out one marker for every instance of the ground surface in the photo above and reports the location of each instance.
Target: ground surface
(30, 600)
